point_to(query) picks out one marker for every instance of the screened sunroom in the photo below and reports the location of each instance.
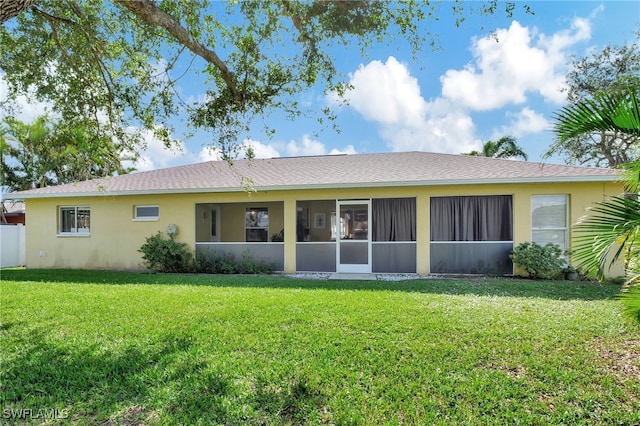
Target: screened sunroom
(471, 234)
(359, 235)
(256, 229)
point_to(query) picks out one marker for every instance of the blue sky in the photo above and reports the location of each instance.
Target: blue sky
(479, 86)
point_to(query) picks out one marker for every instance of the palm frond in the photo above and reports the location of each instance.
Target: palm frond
(631, 177)
(630, 298)
(611, 230)
(616, 111)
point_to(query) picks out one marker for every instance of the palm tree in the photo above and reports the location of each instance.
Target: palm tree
(44, 153)
(27, 157)
(505, 147)
(613, 227)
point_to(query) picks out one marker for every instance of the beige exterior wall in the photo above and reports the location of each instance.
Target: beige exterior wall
(115, 237)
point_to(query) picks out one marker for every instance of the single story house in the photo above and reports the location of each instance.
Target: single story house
(403, 212)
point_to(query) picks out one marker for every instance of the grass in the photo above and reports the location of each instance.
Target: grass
(93, 347)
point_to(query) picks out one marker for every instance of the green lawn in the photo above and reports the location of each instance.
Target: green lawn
(129, 348)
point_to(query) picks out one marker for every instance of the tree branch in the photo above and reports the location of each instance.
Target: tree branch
(51, 17)
(152, 15)
(12, 8)
(295, 19)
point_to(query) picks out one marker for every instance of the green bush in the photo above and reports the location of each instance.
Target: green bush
(166, 255)
(248, 265)
(228, 264)
(540, 262)
(225, 264)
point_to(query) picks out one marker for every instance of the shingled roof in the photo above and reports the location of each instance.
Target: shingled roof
(330, 171)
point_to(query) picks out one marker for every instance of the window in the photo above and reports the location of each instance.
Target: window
(549, 220)
(146, 213)
(257, 224)
(75, 220)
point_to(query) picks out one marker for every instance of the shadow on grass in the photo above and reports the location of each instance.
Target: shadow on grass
(158, 380)
(481, 286)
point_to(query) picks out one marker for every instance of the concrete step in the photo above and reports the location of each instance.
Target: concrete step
(353, 277)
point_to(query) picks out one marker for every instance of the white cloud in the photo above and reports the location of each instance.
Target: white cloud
(208, 153)
(307, 146)
(260, 150)
(522, 123)
(154, 155)
(511, 63)
(159, 70)
(24, 108)
(508, 66)
(387, 94)
(450, 132)
(557, 57)
(310, 146)
(349, 149)
(142, 164)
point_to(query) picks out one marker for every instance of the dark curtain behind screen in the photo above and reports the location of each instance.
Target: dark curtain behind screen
(394, 219)
(472, 218)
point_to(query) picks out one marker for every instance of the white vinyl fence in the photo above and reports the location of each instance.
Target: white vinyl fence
(12, 248)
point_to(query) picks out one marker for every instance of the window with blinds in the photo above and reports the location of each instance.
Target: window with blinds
(550, 220)
(74, 220)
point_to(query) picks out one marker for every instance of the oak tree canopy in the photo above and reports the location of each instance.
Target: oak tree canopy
(111, 66)
(609, 70)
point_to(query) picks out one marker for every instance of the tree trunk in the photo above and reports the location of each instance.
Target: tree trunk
(12, 8)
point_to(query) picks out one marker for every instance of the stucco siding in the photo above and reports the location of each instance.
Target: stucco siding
(115, 237)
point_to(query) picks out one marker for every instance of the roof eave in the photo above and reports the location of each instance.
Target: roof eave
(446, 182)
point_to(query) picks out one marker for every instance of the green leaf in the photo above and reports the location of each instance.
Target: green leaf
(630, 298)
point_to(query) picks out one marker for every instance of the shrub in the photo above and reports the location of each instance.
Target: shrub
(162, 255)
(228, 264)
(168, 255)
(225, 264)
(540, 262)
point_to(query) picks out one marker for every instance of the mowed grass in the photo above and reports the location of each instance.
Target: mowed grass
(133, 348)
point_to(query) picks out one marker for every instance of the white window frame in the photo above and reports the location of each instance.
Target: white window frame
(249, 211)
(138, 218)
(564, 230)
(75, 231)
